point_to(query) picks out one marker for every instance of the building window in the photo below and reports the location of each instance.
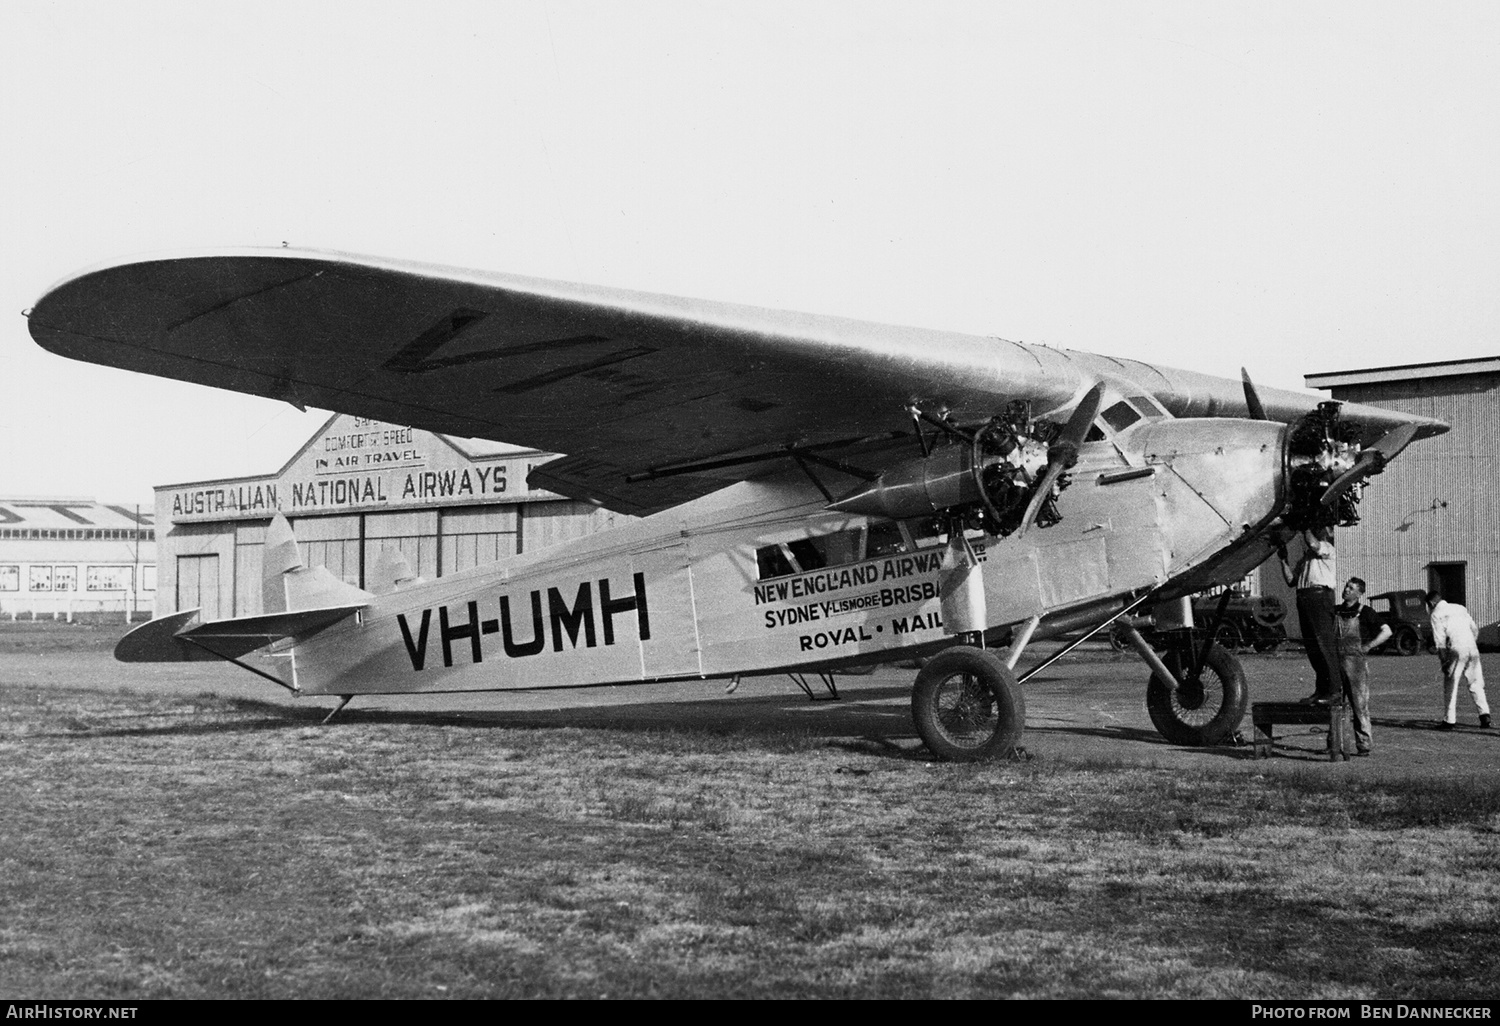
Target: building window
(108, 578)
(65, 578)
(10, 578)
(39, 579)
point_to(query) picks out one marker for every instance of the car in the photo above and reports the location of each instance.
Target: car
(1405, 612)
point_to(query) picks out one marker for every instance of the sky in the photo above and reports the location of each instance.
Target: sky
(1291, 187)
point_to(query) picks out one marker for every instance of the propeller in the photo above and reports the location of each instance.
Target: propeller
(1371, 461)
(1252, 398)
(1063, 452)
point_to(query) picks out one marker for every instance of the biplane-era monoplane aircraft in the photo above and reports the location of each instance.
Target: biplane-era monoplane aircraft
(814, 492)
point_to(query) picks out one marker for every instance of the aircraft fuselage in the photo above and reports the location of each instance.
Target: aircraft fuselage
(762, 577)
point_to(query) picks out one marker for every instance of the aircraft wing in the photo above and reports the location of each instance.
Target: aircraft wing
(655, 399)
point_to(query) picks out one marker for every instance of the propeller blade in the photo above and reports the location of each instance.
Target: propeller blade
(1063, 451)
(1043, 489)
(1393, 441)
(1371, 461)
(1083, 417)
(1252, 398)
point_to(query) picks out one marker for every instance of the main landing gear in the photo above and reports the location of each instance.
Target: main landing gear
(1196, 694)
(1203, 701)
(967, 706)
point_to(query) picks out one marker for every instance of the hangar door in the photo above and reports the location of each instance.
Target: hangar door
(198, 585)
(333, 542)
(474, 536)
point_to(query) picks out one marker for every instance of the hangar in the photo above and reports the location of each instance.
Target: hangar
(1432, 519)
(357, 486)
(75, 557)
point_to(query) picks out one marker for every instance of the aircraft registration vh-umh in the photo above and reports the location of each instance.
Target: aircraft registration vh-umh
(814, 492)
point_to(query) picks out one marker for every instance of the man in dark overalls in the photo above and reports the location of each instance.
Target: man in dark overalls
(1358, 630)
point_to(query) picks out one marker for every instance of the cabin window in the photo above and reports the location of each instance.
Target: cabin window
(880, 538)
(772, 561)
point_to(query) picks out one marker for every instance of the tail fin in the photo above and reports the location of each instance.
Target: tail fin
(392, 572)
(289, 586)
(279, 557)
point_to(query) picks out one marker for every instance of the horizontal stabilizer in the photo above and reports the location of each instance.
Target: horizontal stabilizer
(181, 638)
(156, 641)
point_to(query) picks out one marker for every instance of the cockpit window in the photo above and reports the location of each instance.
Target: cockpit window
(1121, 415)
(1149, 406)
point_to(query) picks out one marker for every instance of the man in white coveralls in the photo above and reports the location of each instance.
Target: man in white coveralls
(1456, 638)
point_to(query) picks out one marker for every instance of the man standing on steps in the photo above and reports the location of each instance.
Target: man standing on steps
(1358, 630)
(1314, 574)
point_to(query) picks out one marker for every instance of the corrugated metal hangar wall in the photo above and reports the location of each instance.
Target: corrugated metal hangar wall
(358, 486)
(1432, 519)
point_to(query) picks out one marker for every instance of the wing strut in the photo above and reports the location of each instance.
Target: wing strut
(196, 643)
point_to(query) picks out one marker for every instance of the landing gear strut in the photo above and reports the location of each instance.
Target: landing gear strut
(1197, 694)
(1203, 705)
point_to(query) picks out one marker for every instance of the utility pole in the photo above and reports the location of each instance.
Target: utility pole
(135, 576)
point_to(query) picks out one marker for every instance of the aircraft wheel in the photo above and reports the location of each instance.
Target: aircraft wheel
(1201, 712)
(967, 706)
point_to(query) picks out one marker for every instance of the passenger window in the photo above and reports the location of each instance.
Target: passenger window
(772, 562)
(885, 540)
(880, 538)
(808, 553)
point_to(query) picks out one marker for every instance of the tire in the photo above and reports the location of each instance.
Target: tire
(1406, 642)
(1269, 639)
(1186, 717)
(1228, 637)
(967, 706)
(1117, 639)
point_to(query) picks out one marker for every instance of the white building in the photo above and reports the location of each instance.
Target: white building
(71, 557)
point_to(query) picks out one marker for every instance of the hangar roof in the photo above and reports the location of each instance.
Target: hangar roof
(72, 512)
(1405, 372)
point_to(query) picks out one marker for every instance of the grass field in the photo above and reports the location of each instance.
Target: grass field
(155, 847)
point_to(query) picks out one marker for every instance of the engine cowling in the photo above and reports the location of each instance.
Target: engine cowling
(988, 477)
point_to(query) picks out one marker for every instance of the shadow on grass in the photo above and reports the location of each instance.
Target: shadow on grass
(1432, 725)
(774, 719)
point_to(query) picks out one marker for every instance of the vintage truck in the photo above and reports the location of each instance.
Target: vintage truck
(1250, 622)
